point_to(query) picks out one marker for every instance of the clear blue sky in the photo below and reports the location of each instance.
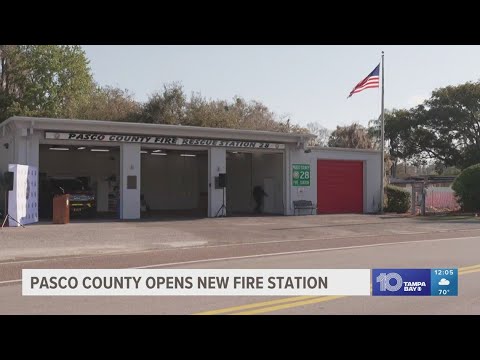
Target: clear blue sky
(308, 83)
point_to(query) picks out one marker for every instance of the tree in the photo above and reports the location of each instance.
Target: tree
(55, 81)
(467, 188)
(448, 125)
(398, 137)
(172, 107)
(445, 128)
(354, 136)
(110, 103)
(451, 170)
(237, 114)
(167, 107)
(323, 134)
(43, 80)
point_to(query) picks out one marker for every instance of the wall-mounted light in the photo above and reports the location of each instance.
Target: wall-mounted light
(81, 148)
(188, 155)
(100, 150)
(143, 152)
(162, 154)
(59, 149)
(156, 151)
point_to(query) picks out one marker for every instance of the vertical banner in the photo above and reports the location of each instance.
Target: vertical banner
(23, 199)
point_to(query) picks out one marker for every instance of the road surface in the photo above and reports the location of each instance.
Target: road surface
(449, 248)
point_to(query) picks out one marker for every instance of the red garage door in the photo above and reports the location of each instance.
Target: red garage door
(339, 186)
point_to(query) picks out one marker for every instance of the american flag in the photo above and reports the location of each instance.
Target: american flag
(371, 81)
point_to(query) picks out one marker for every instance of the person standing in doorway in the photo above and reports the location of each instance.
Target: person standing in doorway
(258, 194)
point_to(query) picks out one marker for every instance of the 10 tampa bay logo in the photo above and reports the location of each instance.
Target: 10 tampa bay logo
(385, 283)
(401, 282)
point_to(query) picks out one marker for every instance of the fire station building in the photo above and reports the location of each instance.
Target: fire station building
(170, 169)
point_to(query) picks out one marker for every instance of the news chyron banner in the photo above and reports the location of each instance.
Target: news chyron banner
(240, 282)
(195, 282)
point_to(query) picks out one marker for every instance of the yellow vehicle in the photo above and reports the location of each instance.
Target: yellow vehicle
(82, 198)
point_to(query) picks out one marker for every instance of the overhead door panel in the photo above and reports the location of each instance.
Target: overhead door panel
(339, 186)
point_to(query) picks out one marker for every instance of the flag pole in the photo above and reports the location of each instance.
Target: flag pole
(382, 129)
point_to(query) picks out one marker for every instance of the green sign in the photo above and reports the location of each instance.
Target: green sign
(301, 175)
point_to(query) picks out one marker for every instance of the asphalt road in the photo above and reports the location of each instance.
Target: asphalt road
(449, 248)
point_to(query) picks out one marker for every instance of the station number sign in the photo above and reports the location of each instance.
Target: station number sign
(301, 175)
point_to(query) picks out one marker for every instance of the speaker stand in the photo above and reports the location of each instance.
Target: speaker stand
(223, 207)
(7, 215)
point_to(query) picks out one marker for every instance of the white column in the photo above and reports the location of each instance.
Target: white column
(216, 165)
(19, 150)
(287, 188)
(25, 147)
(130, 167)
(20, 147)
(33, 150)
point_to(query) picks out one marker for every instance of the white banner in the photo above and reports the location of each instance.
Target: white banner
(195, 282)
(23, 199)
(162, 140)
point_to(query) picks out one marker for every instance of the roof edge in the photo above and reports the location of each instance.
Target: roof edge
(125, 126)
(322, 148)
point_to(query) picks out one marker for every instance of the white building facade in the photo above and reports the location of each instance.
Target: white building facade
(179, 169)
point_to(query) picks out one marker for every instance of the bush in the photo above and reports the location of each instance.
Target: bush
(467, 188)
(398, 199)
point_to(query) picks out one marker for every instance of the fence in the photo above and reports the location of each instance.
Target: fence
(440, 199)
